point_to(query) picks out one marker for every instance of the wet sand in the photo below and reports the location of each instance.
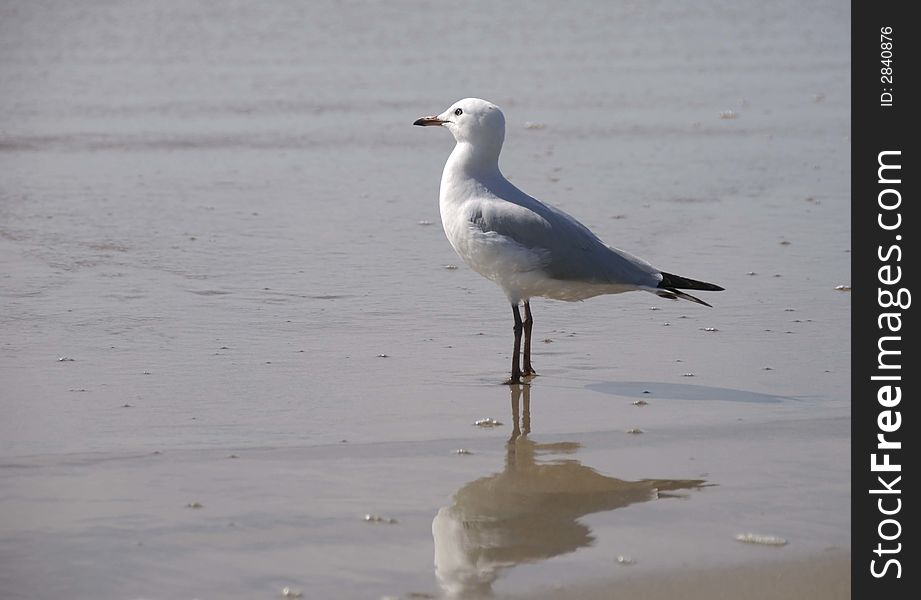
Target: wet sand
(822, 577)
(231, 325)
(517, 512)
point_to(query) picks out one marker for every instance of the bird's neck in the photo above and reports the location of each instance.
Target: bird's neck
(481, 163)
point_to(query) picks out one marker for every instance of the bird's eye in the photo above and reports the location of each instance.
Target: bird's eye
(458, 112)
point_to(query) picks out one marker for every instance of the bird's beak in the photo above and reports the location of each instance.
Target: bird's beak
(429, 121)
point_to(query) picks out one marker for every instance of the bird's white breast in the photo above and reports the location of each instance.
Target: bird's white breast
(492, 255)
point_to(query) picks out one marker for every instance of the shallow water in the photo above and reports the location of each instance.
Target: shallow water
(221, 214)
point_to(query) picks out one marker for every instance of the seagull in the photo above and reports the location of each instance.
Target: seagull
(530, 249)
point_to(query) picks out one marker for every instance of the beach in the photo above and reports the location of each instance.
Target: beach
(239, 359)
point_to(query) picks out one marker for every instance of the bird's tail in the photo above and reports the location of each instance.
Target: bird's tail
(670, 284)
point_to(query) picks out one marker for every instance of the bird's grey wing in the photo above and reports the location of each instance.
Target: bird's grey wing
(571, 251)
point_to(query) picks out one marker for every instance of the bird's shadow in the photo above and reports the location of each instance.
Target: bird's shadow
(683, 391)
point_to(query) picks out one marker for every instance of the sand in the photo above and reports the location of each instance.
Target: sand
(822, 577)
(231, 327)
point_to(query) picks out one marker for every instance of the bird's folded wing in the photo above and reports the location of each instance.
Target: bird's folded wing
(569, 250)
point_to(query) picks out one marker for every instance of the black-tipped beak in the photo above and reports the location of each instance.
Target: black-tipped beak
(428, 121)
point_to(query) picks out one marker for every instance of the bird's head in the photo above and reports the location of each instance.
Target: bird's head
(473, 121)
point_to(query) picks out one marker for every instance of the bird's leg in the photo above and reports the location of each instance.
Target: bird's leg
(516, 353)
(527, 370)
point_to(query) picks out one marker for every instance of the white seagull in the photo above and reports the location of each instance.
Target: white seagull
(527, 247)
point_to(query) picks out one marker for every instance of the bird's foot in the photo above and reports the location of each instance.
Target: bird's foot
(513, 380)
(529, 372)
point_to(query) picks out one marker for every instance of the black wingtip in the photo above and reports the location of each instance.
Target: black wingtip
(672, 282)
(675, 294)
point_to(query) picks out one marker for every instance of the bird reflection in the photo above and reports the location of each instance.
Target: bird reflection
(529, 511)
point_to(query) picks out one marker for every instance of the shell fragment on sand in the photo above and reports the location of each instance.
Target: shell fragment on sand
(764, 540)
